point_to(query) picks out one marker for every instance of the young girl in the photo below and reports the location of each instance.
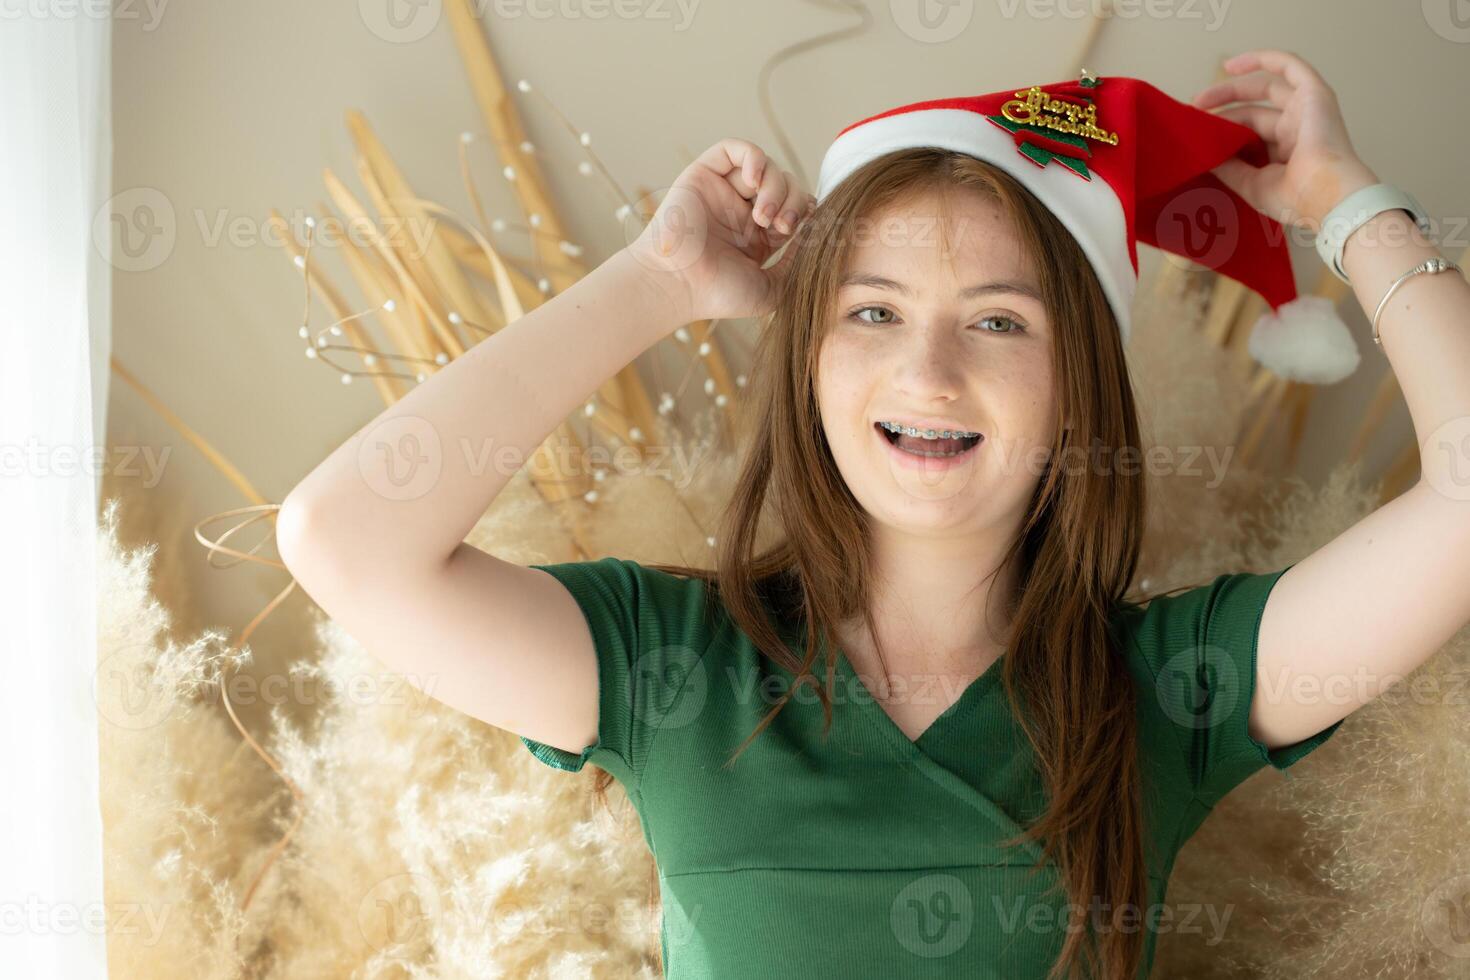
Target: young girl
(924, 735)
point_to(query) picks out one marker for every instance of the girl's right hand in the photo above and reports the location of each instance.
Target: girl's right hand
(724, 216)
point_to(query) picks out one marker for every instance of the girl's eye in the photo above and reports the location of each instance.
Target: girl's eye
(858, 314)
(1014, 325)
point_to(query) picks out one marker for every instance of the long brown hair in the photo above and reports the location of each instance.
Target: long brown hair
(1075, 556)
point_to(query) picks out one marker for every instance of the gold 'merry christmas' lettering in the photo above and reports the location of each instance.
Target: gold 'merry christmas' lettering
(1035, 107)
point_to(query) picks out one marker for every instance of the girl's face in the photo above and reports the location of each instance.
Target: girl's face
(957, 341)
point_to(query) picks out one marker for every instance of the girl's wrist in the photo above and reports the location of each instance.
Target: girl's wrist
(666, 292)
(1332, 185)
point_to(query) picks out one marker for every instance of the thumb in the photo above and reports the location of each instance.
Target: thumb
(1263, 188)
(1239, 176)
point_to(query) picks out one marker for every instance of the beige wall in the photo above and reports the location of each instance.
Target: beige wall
(228, 109)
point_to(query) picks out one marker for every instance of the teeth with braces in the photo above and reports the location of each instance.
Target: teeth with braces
(927, 433)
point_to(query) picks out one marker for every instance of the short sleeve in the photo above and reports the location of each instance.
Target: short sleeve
(648, 629)
(1200, 647)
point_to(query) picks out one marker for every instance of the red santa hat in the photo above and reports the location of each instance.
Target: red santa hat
(1119, 162)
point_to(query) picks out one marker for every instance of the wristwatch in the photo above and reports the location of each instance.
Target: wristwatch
(1355, 210)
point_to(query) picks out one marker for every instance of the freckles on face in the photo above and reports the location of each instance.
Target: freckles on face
(918, 336)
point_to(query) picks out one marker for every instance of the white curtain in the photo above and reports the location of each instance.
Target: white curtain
(55, 298)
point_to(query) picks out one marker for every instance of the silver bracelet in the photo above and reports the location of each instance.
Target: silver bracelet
(1431, 266)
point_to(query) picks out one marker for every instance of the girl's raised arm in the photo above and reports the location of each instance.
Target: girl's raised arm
(375, 533)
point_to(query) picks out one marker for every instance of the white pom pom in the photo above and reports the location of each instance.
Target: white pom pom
(1305, 340)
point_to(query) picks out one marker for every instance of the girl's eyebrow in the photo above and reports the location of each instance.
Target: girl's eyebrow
(981, 289)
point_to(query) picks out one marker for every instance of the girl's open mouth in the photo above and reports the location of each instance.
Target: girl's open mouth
(924, 452)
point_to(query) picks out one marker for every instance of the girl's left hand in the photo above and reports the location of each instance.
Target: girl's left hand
(1313, 165)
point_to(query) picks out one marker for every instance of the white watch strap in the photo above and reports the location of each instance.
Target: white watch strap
(1354, 211)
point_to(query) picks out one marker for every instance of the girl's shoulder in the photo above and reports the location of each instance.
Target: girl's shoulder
(1193, 656)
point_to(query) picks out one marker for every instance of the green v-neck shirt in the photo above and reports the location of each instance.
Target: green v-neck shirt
(864, 853)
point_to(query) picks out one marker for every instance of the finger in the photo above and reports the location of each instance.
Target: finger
(794, 208)
(1265, 122)
(1297, 71)
(1253, 88)
(1261, 118)
(739, 161)
(770, 196)
(1242, 178)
